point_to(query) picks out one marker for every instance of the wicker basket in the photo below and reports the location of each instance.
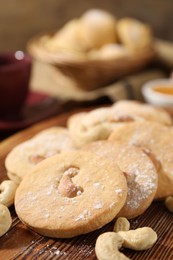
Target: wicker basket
(88, 73)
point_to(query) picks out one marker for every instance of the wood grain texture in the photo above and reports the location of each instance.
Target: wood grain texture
(22, 243)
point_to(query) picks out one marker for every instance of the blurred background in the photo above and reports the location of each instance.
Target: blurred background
(21, 19)
(60, 86)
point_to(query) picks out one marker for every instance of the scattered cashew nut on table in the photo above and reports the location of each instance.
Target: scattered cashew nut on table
(14, 177)
(108, 245)
(5, 219)
(139, 239)
(169, 203)
(7, 192)
(121, 224)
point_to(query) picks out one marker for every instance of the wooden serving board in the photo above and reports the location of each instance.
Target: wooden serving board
(22, 243)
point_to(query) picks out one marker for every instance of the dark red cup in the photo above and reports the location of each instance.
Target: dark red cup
(15, 71)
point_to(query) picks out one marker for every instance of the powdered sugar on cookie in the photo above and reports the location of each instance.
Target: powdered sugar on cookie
(61, 215)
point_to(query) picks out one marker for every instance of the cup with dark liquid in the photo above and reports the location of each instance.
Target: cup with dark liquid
(15, 70)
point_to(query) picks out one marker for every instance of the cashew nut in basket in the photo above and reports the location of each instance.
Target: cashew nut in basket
(139, 239)
(7, 192)
(169, 203)
(121, 224)
(5, 219)
(108, 245)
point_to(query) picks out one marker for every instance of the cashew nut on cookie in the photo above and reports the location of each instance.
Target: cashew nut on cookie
(5, 219)
(108, 245)
(7, 192)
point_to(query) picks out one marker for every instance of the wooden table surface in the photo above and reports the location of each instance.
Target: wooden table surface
(22, 243)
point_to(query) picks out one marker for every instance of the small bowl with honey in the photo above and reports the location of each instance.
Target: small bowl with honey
(159, 92)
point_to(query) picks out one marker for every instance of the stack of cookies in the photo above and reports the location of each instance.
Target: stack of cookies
(107, 163)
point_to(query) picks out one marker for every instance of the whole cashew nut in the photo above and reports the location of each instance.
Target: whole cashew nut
(67, 188)
(108, 245)
(122, 224)
(7, 192)
(139, 239)
(169, 203)
(14, 177)
(5, 219)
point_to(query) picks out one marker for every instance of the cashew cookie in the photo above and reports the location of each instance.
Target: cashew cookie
(29, 153)
(139, 170)
(87, 127)
(95, 125)
(99, 123)
(141, 111)
(71, 193)
(156, 139)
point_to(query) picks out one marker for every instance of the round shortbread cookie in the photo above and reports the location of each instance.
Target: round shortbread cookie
(71, 193)
(140, 172)
(26, 155)
(95, 125)
(99, 123)
(156, 139)
(141, 111)
(86, 127)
